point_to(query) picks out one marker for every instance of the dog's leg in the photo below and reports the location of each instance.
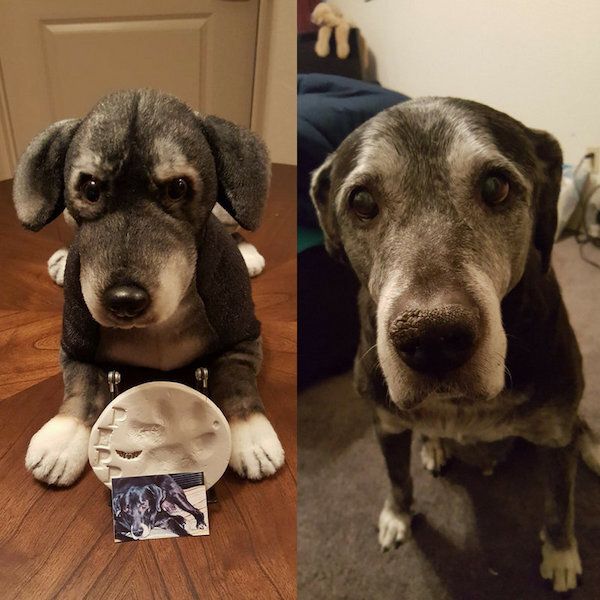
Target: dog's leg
(180, 500)
(434, 455)
(172, 523)
(256, 450)
(255, 262)
(57, 453)
(560, 558)
(395, 517)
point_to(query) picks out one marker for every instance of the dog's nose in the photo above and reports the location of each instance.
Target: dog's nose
(126, 301)
(137, 532)
(435, 340)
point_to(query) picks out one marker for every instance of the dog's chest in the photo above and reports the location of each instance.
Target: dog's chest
(176, 342)
(463, 423)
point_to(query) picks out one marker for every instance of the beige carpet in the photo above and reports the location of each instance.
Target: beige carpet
(476, 537)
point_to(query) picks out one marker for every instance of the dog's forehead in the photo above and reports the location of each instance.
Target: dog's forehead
(443, 134)
(160, 129)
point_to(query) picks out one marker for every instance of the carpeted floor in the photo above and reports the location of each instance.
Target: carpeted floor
(476, 537)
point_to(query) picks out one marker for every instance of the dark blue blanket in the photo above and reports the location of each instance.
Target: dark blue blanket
(329, 108)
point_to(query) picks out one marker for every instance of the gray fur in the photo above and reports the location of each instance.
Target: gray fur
(434, 238)
(243, 169)
(38, 182)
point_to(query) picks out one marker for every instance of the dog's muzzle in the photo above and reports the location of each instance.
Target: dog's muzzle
(435, 340)
(126, 301)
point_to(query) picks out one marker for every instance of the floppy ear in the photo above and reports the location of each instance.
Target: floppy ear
(550, 155)
(243, 169)
(156, 494)
(38, 187)
(320, 189)
(116, 504)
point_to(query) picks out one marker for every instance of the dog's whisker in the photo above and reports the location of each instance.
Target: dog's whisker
(369, 350)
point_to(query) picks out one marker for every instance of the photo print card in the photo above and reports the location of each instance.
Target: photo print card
(159, 506)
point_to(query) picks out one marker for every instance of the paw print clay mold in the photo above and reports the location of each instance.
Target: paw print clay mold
(160, 428)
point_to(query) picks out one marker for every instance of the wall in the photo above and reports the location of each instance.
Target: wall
(538, 60)
(274, 106)
(8, 156)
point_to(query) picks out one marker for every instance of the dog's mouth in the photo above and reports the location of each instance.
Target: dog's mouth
(141, 533)
(127, 322)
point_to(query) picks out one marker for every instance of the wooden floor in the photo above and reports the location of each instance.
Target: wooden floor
(58, 543)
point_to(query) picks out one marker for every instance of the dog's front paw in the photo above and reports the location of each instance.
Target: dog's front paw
(57, 453)
(560, 566)
(255, 262)
(56, 266)
(394, 526)
(256, 451)
(433, 455)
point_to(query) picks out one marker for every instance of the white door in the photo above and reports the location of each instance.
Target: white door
(58, 58)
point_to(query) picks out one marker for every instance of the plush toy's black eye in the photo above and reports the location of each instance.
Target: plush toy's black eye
(91, 190)
(177, 188)
(363, 205)
(494, 189)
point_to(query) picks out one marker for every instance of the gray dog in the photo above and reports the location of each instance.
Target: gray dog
(446, 211)
(152, 278)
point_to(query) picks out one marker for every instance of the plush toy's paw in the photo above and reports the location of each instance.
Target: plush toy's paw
(57, 453)
(342, 49)
(433, 455)
(56, 266)
(255, 262)
(256, 451)
(322, 50)
(394, 527)
(560, 566)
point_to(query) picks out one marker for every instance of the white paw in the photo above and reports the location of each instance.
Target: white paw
(394, 527)
(56, 266)
(255, 262)
(433, 455)
(57, 453)
(256, 451)
(560, 566)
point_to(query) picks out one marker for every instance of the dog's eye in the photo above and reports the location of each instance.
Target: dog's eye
(177, 188)
(494, 189)
(363, 205)
(90, 190)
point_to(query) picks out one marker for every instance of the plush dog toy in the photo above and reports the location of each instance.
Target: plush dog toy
(328, 19)
(152, 278)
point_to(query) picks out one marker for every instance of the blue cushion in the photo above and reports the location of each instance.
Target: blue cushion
(329, 108)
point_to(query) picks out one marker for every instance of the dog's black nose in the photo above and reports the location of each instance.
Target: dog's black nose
(436, 340)
(126, 301)
(137, 532)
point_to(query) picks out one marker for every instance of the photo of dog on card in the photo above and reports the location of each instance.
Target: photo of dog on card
(159, 506)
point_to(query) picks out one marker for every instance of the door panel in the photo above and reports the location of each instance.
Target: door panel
(58, 58)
